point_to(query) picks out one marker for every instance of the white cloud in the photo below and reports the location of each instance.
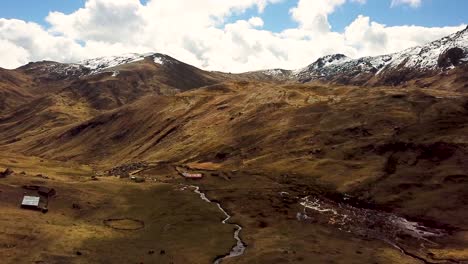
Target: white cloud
(412, 3)
(201, 37)
(101, 20)
(371, 38)
(12, 54)
(36, 43)
(366, 36)
(313, 14)
(256, 22)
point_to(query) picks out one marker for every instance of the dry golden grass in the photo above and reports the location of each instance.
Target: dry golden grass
(401, 149)
(176, 222)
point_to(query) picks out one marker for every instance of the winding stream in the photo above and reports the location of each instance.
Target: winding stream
(240, 246)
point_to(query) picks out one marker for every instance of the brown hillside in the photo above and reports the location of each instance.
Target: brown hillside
(389, 146)
(13, 90)
(367, 157)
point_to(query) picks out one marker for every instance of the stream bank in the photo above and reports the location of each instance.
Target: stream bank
(239, 248)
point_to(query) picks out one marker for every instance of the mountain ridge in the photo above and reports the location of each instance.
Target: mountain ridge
(370, 133)
(442, 54)
(433, 58)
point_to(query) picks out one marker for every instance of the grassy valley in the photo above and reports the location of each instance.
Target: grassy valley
(317, 172)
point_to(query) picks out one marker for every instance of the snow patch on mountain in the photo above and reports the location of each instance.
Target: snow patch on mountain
(329, 61)
(102, 64)
(274, 72)
(99, 64)
(421, 58)
(158, 60)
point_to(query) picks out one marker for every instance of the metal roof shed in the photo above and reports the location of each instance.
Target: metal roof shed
(192, 175)
(30, 202)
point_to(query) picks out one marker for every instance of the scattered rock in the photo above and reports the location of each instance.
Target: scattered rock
(31, 187)
(6, 173)
(399, 96)
(7, 245)
(42, 176)
(46, 191)
(262, 224)
(78, 253)
(460, 178)
(76, 206)
(137, 179)
(221, 156)
(124, 171)
(316, 151)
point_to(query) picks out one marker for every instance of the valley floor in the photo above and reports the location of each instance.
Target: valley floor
(345, 161)
(164, 221)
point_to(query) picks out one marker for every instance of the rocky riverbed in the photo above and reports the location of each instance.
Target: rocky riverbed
(411, 238)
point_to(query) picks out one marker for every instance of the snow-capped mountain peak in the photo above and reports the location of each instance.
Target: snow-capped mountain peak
(391, 69)
(101, 64)
(436, 56)
(98, 64)
(328, 61)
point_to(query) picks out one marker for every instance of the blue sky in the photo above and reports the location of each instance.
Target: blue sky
(432, 13)
(34, 10)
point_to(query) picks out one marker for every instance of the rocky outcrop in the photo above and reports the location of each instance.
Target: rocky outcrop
(451, 57)
(6, 173)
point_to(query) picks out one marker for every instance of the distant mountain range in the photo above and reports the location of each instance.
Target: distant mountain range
(110, 82)
(392, 69)
(430, 59)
